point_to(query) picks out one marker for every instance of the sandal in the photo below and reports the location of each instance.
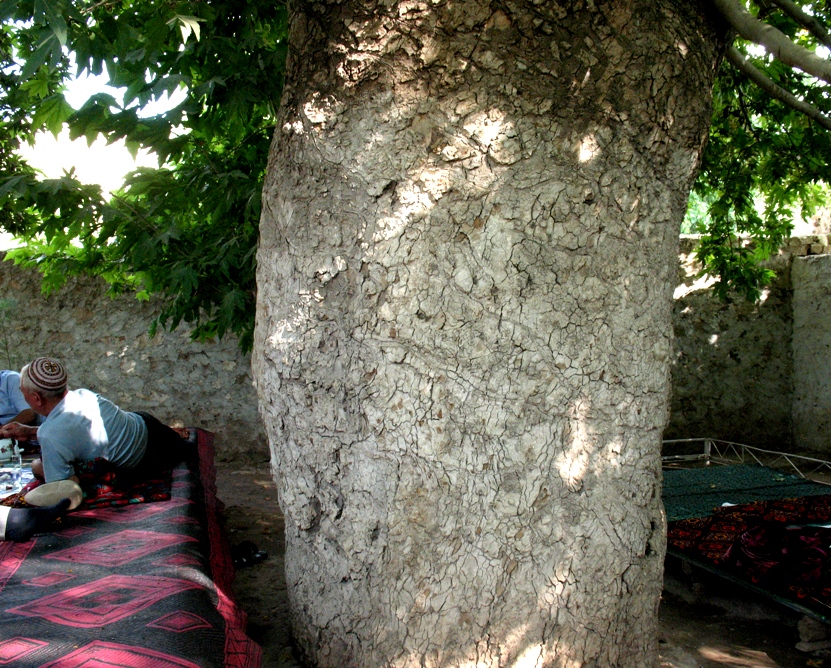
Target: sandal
(247, 554)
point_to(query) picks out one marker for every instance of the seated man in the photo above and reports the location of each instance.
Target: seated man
(13, 406)
(82, 426)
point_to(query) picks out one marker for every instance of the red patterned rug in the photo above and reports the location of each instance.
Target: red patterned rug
(781, 547)
(146, 584)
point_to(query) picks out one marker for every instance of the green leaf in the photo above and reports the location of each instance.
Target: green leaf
(39, 57)
(37, 87)
(51, 113)
(54, 20)
(187, 25)
(8, 9)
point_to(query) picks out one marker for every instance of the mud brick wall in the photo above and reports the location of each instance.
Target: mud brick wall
(811, 279)
(106, 348)
(741, 372)
(734, 375)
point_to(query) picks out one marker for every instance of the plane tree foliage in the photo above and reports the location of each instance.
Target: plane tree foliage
(186, 231)
(769, 153)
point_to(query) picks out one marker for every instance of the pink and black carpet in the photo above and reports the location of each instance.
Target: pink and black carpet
(135, 585)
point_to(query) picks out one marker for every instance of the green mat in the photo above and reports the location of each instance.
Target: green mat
(698, 492)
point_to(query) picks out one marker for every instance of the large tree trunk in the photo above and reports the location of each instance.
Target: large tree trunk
(463, 338)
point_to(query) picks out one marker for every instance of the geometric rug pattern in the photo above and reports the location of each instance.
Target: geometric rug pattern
(141, 585)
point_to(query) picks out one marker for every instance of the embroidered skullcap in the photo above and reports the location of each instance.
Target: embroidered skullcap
(47, 374)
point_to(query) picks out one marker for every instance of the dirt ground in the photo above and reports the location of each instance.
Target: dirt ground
(704, 622)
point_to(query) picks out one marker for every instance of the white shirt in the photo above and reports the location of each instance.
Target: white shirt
(85, 426)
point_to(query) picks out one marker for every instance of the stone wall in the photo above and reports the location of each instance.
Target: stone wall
(106, 348)
(734, 371)
(811, 279)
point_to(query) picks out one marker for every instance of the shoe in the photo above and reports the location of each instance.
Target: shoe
(51, 492)
(247, 554)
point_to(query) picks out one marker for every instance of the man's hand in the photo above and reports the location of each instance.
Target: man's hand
(18, 431)
(27, 416)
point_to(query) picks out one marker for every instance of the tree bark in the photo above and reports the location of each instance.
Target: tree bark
(469, 237)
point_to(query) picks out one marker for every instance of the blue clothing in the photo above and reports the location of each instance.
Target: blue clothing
(85, 426)
(11, 398)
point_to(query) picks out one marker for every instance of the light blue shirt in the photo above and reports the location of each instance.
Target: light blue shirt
(11, 398)
(85, 426)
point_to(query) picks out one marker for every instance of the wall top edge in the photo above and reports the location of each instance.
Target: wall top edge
(812, 244)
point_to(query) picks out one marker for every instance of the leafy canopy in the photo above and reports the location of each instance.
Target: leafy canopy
(765, 161)
(187, 231)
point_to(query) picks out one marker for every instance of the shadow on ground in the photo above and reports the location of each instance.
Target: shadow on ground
(704, 621)
(252, 513)
(707, 622)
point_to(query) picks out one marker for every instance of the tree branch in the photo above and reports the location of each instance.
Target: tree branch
(773, 89)
(776, 43)
(804, 19)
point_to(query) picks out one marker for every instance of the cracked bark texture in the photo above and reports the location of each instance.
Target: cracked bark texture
(466, 262)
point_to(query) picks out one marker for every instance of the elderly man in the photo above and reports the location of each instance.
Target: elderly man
(13, 406)
(81, 426)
